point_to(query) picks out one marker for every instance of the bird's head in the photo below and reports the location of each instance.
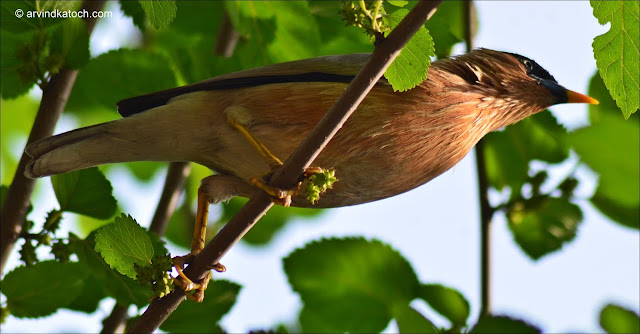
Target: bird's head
(508, 84)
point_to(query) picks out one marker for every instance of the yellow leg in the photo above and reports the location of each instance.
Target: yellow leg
(197, 245)
(238, 118)
(279, 196)
(271, 159)
(200, 228)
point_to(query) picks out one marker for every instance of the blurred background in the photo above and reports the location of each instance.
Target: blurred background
(436, 226)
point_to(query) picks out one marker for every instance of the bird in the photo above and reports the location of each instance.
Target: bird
(241, 125)
(394, 142)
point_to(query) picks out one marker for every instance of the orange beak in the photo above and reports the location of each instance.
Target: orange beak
(574, 97)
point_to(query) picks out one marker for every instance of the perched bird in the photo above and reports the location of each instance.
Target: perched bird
(393, 143)
(241, 124)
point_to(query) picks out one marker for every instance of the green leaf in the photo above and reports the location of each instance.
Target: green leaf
(447, 301)
(617, 52)
(503, 324)
(410, 68)
(618, 167)
(193, 13)
(144, 170)
(542, 225)
(189, 47)
(446, 27)
(181, 224)
(627, 216)
(123, 289)
(15, 123)
(134, 10)
(616, 319)
(123, 244)
(71, 42)
(335, 37)
(90, 295)
(137, 72)
(314, 322)
(160, 13)
(86, 192)
(411, 321)
(221, 295)
(29, 296)
(32, 20)
(270, 224)
(15, 65)
(509, 152)
(159, 246)
(349, 285)
(610, 148)
(92, 291)
(398, 3)
(257, 29)
(274, 31)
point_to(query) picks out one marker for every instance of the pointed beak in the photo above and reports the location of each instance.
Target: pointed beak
(574, 97)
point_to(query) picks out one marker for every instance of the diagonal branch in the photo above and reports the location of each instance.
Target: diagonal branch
(54, 100)
(177, 174)
(293, 168)
(173, 186)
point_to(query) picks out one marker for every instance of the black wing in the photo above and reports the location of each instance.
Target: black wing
(341, 68)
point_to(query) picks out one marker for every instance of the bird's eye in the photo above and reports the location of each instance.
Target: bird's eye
(528, 65)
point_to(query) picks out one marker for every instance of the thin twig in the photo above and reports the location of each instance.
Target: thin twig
(116, 321)
(178, 172)
(293, 168)
(227, 38)
(173, 187)
(486, 211)
(54, 100)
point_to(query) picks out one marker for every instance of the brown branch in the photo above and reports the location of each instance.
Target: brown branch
(486, 211)
(177, 173)
(173, 187)
(116, 321)
(293, 168)
(227, 38)
(54, 99)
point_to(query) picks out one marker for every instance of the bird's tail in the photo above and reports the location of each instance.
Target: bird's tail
(123, 140)
(70, 151)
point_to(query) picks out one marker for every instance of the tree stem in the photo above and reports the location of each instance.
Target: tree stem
(486, 211)
(173, 187)
(54, 99)
(293, 168)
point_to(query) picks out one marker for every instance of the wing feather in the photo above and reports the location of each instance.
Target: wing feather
(342, 68)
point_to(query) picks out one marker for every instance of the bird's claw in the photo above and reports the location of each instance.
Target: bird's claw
(188, 285)
(279, 195)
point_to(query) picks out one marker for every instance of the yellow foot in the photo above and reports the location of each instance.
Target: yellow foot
(283, 196)
(277, 195)
(186, 284)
